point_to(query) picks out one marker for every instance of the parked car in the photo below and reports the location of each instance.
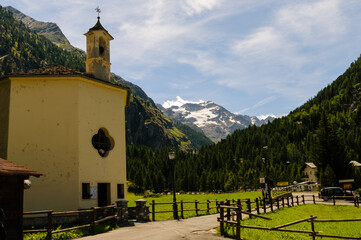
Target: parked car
(327, 192)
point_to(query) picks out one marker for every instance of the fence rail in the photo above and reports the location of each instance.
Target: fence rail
(93, 219)
(259, 204)
(181, 210)
(231, 213)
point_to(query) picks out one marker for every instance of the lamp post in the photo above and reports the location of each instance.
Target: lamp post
(175, 207)
(267, 180)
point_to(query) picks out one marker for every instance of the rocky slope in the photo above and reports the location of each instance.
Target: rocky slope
(47, 29)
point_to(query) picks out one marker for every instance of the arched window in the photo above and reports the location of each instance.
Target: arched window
(102, 47)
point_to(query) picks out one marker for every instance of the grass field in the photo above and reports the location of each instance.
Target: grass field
(287, 215)
(101, 228)
(189, 198)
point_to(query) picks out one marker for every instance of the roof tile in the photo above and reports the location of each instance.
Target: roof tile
(50, 70)
(10, 168)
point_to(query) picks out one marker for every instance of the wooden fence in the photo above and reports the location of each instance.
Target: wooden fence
(94, 220)
(231, 209)
(258, 204)
(181, 207)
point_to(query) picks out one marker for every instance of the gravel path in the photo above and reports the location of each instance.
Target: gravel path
(201, 228)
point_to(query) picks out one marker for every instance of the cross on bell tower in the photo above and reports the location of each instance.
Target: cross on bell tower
(98, 51)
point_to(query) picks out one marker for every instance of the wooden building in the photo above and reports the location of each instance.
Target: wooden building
(12, 178)
(309, 172)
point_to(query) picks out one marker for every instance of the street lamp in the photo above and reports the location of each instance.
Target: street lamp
(267, 180)
(175, 207)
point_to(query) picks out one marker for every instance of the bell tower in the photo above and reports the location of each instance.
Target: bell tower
(98, 52)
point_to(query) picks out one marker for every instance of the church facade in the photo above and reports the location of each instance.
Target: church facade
(70, 126)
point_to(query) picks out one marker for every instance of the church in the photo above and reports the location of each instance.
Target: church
(70, 126)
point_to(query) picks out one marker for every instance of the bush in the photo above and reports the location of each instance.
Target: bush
(134, 188)
(149, 194)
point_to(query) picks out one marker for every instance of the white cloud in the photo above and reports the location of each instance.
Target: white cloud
(193, 7)
(273, 58)
(264, 101)
(264, 42)
(318, 22)
(258, 104)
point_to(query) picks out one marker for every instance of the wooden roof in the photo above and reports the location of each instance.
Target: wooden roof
(10, 168)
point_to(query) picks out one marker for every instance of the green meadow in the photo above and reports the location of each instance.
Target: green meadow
(287, 215)
(189, 198)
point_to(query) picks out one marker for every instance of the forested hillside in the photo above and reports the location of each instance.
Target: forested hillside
(22, 49)
(326, 130)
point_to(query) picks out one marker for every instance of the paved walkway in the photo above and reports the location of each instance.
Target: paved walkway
(200, 228)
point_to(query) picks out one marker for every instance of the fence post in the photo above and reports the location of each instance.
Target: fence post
(207, 206)
(313, 228)
(292, 201)
(196, 205)
(182, 216)
(298, 203)
(257, 205)
(240, 207)
(271, 204)
(221, 216)
(239, 201)
(334, 200)
(122, 212)
(153, 210)
(249, 206)
(238, 225)
(50, 225)
(358, 203)
(283, 202)
(303, 199)
(114, 221)
(228, 210)
(314, 201)
(217, 206)
(92, 220)
(264, 205)
(288, 202)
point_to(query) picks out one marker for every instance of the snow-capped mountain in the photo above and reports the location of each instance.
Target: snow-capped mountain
(213, 120)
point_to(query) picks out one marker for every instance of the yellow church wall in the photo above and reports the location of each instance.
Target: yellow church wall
(101, 107)
(4, 116)
(43, 135)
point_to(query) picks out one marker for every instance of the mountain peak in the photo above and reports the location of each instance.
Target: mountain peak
(47, 29)
(213, 120)
(264, 117)
(179, 102)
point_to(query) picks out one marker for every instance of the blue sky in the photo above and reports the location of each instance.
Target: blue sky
(251, 57)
